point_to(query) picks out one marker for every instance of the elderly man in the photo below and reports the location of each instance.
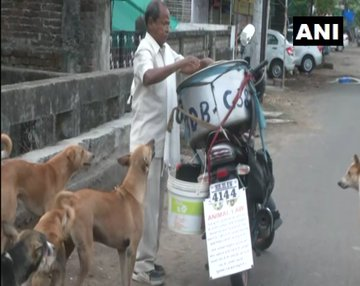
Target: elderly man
(154, 96)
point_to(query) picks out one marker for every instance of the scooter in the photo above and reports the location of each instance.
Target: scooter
(240, 216)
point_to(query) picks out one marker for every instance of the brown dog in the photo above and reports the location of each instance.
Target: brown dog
(37, 183)
(351, 179)
(112, 218)
(55, 224)
(8, 145)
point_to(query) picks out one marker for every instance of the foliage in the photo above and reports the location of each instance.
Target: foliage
(298, 8)
(302, 8)
(324, 7)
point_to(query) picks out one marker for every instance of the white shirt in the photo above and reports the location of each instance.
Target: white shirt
(152, 104)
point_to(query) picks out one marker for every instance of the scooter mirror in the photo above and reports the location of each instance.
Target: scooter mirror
(247, 34)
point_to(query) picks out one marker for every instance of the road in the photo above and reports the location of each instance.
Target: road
(319, 241)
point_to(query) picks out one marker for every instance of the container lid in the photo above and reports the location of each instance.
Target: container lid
(211, 73)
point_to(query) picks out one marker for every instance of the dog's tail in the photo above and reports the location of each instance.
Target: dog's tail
(68, 219)
(8, 145)
(65, 200)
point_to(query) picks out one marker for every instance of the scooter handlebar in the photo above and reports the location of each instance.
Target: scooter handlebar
(259, 67)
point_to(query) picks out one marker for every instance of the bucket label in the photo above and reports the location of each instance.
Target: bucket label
(179, 206)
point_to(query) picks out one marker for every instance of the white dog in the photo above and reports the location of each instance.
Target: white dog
(351, 178)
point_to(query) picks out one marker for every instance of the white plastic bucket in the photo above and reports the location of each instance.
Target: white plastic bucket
(185, 209)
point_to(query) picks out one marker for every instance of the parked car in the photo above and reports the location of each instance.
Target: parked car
(306, 57)
(275, 53)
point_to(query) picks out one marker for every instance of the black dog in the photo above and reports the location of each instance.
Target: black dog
(25, 257)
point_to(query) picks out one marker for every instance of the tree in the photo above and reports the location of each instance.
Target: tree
(302, 7)
(324, 7)
(298, 8)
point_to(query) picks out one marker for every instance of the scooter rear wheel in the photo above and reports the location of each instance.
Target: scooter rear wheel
(265, 243)
(240, 279)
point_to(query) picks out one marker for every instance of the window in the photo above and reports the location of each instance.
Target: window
(271, 40)
(289, 35)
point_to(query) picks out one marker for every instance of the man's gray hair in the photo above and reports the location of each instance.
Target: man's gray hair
(153, 10)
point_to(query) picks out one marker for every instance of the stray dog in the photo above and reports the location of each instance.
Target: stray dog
(113, 218)
(351, 179)
(55, 224)
(36, 184)
(31, 252)
(8, 145)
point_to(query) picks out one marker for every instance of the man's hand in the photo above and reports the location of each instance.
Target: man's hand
(189, 65)
(206, 62)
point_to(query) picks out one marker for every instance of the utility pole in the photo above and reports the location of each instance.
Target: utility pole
(256, 41)
(264, 28)
(285, 33)
(260, 21)
(311, 7)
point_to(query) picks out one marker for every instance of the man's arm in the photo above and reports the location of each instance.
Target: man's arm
(202, 64)
(189, 65)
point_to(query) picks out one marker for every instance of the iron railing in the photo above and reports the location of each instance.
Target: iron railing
(123, 45)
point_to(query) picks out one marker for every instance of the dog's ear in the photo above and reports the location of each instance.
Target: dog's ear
(70, 154)
(356, 159)
(38, 245)
(124, 160)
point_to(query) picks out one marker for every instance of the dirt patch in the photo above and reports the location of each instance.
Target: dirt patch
(301, 88)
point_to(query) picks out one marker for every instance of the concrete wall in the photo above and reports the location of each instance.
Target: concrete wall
(94, 34)
(61, 106)
(194, 40)
(74, 36)
(28, 30)
(43, 112)
(56, 35)
(202, 43)
(11, 75)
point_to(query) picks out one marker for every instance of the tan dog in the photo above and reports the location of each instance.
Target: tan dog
(351, 179)
(55, 224)
(37, 183)
(112, 218)
(8, 145)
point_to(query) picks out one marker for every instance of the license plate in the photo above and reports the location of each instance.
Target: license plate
(224, 191)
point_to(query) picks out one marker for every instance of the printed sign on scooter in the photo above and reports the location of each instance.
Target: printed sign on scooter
(228, 238)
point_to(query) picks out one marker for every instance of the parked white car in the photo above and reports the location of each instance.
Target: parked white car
(306, 57)
(275, 54)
